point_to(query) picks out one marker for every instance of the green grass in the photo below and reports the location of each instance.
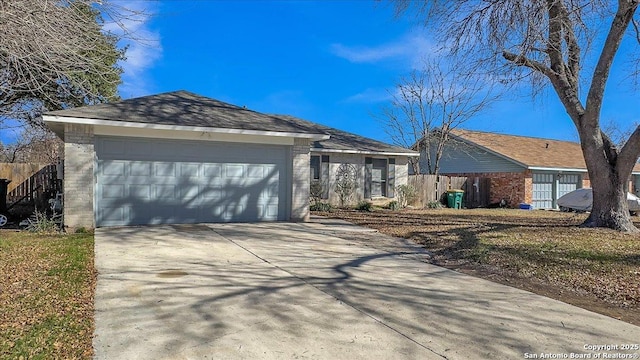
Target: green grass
(46, 296)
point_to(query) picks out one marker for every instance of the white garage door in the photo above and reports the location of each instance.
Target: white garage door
(157, 181)
(543, 191)
(567, 183)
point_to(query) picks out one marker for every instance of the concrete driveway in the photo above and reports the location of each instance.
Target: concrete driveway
(321, 290)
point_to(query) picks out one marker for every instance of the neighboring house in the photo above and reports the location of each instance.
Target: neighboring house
(522, 169)
(183, 158)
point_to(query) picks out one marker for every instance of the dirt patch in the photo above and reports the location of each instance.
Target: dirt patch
(539, 251)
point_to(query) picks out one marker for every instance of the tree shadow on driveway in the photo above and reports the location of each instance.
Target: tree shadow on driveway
(280, 291)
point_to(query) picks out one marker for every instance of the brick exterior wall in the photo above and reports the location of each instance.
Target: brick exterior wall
(79, 157)
(528, 187)
(300, 155)
(514, 187)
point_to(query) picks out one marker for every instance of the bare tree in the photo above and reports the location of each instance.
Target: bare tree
(617, 132)
(430, 103)
(54, 54)
(549, 42)
(34, 145)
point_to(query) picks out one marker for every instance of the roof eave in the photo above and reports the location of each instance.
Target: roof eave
(583, 170)
(367, 152)
(55, 119)
(547, 168)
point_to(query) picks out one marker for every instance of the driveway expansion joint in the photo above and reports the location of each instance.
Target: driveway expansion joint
(342, 301)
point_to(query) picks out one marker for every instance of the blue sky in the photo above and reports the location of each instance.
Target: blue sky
(330, 62)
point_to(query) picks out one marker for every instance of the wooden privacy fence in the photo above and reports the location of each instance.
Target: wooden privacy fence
(433, 188)
(38, 187)
(18, 172)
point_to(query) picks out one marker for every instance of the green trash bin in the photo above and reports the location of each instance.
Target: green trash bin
(454, 198)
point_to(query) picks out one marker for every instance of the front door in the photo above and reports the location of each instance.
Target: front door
(379, 178)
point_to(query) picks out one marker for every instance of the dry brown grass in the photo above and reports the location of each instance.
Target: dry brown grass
(540, 251)
(46, 296)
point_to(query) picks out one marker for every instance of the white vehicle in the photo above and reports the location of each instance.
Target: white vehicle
(582, 199)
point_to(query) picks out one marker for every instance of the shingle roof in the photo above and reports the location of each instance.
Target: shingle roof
(345, 141)
(529, 151)
(183, 108)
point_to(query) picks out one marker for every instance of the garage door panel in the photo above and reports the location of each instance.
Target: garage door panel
(255, 171)
(233, 212)
(211, 193)
(164, 169)
(234, 171)
(188, 182)
(568, 183)
(114, 215)
(140, 192)
(272, 211)
(189, 169)
(212, 170)
(113, 168)
(211, 213)
(165, 192)
(113, 191)
(542, 196)
(270, 190)
(189, 193)
(140, 168)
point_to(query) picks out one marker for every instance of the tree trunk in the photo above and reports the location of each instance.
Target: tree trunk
(610, 208)
(415, 164)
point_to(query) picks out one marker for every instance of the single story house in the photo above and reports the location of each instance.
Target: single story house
(179, 157)
(522, 169)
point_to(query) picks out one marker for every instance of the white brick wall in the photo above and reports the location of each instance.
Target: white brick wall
(402, 170)
(300, 180)
(336, 159)
(78, 171)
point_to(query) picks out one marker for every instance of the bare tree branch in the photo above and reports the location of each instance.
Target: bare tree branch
(57, 53)
(636, 27)
(429, 104)
(548, 40)
(628, 154)
(619, 25)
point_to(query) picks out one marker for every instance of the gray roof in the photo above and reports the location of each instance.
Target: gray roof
(345, 141)
(183, 108)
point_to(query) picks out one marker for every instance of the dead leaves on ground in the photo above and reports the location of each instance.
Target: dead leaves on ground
(539, 247)
(46, 293)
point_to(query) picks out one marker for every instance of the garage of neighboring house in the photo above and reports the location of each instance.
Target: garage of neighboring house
(146, 181)
(521, 170)
(549, 187)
